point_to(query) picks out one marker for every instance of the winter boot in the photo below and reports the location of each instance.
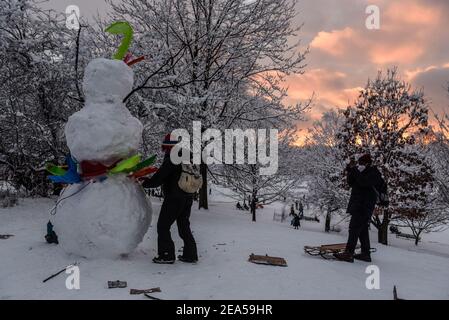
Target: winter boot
(163, 260)
(345, 256)
(51, 236)
(363, 257)
(187, 260)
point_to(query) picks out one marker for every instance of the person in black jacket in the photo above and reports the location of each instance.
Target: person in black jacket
(363, 179)
(296, 222)
(175, 207)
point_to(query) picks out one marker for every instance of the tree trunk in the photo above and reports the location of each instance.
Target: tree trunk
(417, 235)
(253, 204)
(382, 231)
(327, 227)
(253, 212)
(203, 203)
(253, 207)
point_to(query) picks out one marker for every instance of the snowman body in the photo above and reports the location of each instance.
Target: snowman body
(103, 217)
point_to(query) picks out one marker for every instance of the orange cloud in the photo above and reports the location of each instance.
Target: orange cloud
(407, 12)
(349, 44)
(407, 26)
(333, 42)
(406, 53)
(330, 87)
(412, 74)
(344, 54)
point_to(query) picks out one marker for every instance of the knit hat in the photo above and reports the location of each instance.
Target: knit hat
(169, 142)
(365, 159)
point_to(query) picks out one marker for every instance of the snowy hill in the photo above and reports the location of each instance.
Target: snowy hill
(226, 237)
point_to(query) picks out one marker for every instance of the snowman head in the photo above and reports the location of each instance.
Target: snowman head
(107, 80)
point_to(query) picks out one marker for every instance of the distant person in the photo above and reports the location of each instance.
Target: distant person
(175, 207)
(292, 211)
(363, 179)
(239, 206)
(300, 209)
(296, 223)
(245, 206)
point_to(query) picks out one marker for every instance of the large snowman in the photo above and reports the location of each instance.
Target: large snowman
(104, 215)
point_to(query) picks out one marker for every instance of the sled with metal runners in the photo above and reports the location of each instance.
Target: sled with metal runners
(326, 251)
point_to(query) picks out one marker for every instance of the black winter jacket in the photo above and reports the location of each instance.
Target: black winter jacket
(168, 176)
(363, 195)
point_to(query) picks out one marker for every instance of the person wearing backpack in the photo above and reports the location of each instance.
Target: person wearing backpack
(365, 180)
(176, 206)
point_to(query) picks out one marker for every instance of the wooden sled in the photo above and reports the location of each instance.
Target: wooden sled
(267, 260)
(117, 284)
(146, 291)
(326, 251)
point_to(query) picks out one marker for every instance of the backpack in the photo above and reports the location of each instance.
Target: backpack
(381, 190)
(190, 180)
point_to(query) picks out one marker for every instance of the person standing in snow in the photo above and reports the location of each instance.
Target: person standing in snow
(363, 179)
(176, 206)
(300, 209)
(296, 223)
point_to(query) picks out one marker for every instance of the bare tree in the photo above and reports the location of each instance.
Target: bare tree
(439, 154)
(323, 164)
(36, 89)
(435, 219)
(246, 180)
(223, 55)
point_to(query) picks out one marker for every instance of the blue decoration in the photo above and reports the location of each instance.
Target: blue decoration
(71, 176)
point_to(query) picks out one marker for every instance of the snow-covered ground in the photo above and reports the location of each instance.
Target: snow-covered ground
(226, 237)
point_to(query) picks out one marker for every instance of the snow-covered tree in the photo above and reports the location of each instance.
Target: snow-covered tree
(220, 57)
(247, 180)
(436, 149)
(433, 219)
(323, 164)
(383, 122)
(439, 155)
(37, 91)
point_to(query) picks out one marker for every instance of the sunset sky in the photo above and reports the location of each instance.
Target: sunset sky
(413, 35)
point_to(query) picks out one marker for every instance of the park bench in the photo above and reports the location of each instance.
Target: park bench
(313, 219)
(395, 230)
(406, 236)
